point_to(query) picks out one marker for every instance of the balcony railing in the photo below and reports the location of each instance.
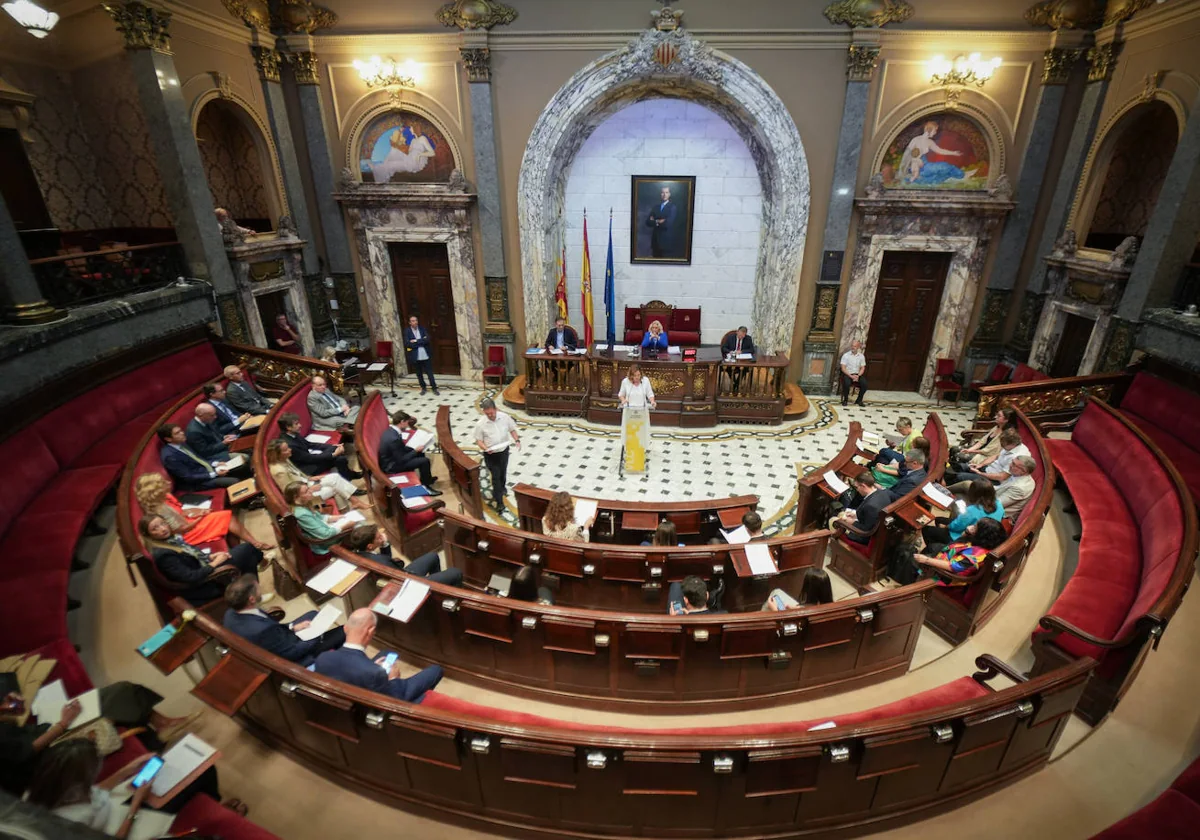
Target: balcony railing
(80, 277)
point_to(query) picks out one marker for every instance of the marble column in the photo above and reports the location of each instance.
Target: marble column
(266, 59)
(320, 157)
(987, 344)
(148, 46)
(20, 296)
(476, 58)
(820, 349)
(1102, 59)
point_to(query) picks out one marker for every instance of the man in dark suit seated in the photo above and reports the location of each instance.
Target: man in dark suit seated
(241, 393)
(860, 522)
(184, 564)
(370, 541)
(246, 619)
(689, 596)
(314, 458)
(351, 665)
(229, 420)
(189, 470)
(734, 345)
(204, 436)
(562, 337)
(914, 459)
(396, 457)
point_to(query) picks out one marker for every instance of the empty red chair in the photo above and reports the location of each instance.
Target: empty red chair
(944, 382)
(997, 377)
(496, 364)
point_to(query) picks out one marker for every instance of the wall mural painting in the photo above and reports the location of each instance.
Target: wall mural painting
(403, 147)
(943, 151)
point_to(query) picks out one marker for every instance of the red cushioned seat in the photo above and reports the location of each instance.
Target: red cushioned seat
(1164, 405)
(1188, 782)
(116, 446)
(1096, 606)
(634, 336)
(684, 338)
(206, 816)
(70, 429)
(69, 667)
(1185, 458)
(1172, 816)
(78, 490)
(862, 549)
(418, 520)
(37, 616)
(30, 466)
(47, 538)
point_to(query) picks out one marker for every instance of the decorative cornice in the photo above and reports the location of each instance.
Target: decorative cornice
(1103, 60)
(868, 12)
(1119, 11)
(305, 66)
(861, 62)
(1066, 14)
(1057, 64)
(478, 61)
(143, 27)
(253, 13)
(282, 17)
(267, 62)
(476, 14)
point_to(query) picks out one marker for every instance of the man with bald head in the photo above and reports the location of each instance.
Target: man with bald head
(204, 437)
(351, 664)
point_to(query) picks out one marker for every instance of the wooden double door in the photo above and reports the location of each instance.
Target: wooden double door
(906, 309)
(421, 274)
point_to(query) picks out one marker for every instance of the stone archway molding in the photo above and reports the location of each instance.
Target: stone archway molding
(670, 64)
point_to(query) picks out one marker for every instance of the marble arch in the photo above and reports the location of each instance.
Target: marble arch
(696, 72)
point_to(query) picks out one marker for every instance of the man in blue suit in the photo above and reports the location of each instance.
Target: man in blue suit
(229, 421)
(189, 470)
(350, 664)
(417, 353)
(662, 225)
(204, 436)
(246, 619)
(395, 456)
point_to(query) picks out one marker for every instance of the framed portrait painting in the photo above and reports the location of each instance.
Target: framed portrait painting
(661, 219)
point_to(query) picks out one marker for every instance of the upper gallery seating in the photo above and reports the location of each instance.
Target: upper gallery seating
(1136, 554)
(681, 325)
(1170, 416)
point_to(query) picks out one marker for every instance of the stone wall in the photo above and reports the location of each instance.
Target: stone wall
(668, 137)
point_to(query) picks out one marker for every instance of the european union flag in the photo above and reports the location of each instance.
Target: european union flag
(610, 290)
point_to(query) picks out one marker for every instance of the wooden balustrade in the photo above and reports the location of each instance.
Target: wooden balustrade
(82, 277)
(462, 469)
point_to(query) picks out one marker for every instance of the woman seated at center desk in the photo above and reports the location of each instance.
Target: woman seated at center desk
(655, 338)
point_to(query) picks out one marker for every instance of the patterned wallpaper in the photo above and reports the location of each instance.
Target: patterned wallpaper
(1136, 172)
(125, 166)
(60, 151)
(231, 162)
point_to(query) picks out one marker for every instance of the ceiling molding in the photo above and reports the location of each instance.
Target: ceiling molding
(1159, 17)
(381, 41)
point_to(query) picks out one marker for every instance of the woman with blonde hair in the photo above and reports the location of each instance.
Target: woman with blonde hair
(559, 520)
(325, 487)
(154, 496)
(655, 337)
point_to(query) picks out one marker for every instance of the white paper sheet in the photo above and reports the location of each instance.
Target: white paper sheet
(420, 439)
(179, 761)
(673, 351)
(399, 479)
(536, 351)
(415, 502)
(331, 575)
(835, 482)
(378, 366)
(871, 438)
(938, 496)
(317, 437)
(554, 351)
(51, 697)
(351, 518)
(742, 357)
(829, 724)
(235, 462)
(412, 594)
(205, 505)
(585, 509)
(737, 536)
(760, 559)
(322, 621)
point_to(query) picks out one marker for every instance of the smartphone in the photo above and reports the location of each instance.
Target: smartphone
(389, 661)
(148, 772)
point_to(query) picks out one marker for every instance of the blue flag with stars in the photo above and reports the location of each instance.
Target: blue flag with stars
(610, 290)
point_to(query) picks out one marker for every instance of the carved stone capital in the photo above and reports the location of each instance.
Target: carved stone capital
(305, 66)
(476, 14)
(267, 62)
(868, 12)
(143, 27)
(478, 61)
(1102, 60)
(861, 61)
(1057, 64)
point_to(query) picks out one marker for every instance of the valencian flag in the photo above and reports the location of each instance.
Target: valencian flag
(610, 290)
(585, 288)
(560, 290)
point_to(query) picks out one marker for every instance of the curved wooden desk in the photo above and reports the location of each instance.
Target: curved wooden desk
(462, 469)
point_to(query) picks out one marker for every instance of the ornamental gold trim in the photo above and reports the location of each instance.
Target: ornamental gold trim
(267, 62)
(868, 12)
(476, 14)
(1065, 14)
(478, 61)
(143, 27)
(861, 61)
(306, 67)
(1102, 60)
(1057, 64)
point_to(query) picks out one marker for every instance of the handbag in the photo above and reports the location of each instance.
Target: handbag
(286, 583)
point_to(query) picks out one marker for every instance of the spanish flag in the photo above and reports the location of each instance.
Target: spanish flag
(560, 290)
(585, 288)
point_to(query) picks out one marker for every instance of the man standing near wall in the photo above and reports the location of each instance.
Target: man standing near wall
(662, 224)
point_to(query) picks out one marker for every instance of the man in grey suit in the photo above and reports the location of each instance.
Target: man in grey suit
(329, 411)
(242, 395)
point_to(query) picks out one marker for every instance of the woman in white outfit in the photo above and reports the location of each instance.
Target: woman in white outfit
(409, 152)
(636, 391)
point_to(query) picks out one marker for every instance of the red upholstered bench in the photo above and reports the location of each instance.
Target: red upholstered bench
(209, 818)
(1170, 416)
(1135, 555)
(1174, 814)
(60, 469)
(1024, 373)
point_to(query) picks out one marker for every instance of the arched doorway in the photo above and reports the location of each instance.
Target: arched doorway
(237, 165)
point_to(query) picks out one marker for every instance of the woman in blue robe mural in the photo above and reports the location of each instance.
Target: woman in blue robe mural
(916, 166)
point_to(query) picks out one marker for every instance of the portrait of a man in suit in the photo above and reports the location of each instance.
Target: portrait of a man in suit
(662, 220)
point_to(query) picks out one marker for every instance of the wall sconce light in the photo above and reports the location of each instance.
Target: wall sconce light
(965, 71)
(388, 73)
(37, 21)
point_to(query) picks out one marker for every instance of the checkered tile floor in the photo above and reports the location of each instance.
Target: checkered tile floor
(582, 458)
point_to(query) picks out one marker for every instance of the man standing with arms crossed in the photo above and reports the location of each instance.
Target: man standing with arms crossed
(494, 434)
(416, 348)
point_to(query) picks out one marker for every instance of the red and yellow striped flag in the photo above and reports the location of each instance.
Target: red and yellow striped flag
(560, 290)
(585, 288)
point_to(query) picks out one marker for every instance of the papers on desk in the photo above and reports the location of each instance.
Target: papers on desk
(419, 439)
(585, 509)
(412, 595)
(378, 366)
(51, 697)
(234, 462)
(835, 482)
(938, 496)
(252, 423)
(758, 555)
(415, 490)
(622, 348)
(205, 505)
(331, 575)
(536, 351)
(744, 357)
(318, 437)
(673, 351)
(322, 622)
(399, 479)
(578, 351)
(738, 536)
(188, 755)
(353, 517)
(871, 439)
(412, 502)
(554, 351)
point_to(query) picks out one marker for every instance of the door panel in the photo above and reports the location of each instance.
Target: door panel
(421, 274)
(906, 308)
